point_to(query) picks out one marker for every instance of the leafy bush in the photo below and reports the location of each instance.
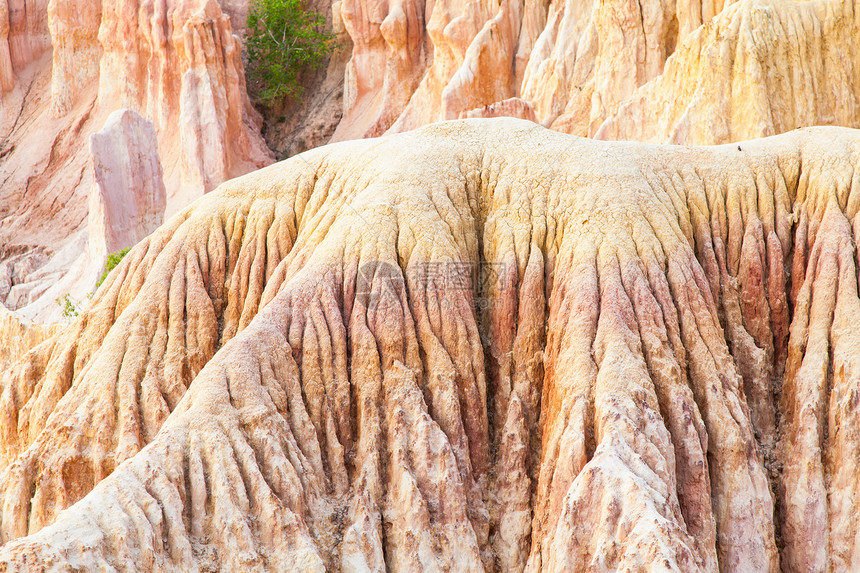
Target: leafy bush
(112, 261)
(70, 309)
(283, 38)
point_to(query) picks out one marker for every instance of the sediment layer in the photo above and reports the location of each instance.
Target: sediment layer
(480, 346)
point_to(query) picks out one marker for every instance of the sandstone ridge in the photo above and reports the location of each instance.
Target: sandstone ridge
(65, 66)
(654, 368)
(695, 72)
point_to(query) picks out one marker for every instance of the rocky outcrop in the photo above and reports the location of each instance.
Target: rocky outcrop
(481, 345)
(699, 72)
(128, 200)
(176, 63)
(126, 203)
(733, 71)
(7, 71)
(23, 38)
(19, 336)
(180, 66)
(759, 69)
(74, 26)
(513, 107)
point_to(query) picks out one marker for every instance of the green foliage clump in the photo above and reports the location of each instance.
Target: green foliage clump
(70, 309)
(283, 39)
(112, 261)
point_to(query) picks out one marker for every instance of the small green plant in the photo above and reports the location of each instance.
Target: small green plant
(283, 38)
(112, 261)
(70, 309)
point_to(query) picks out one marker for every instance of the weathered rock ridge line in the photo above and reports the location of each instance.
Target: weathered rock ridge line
(654, 369)
(65, 66)
(696, 72)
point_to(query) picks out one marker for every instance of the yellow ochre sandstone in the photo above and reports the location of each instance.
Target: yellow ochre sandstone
(656, 367)
(697, 72)
(694, 72)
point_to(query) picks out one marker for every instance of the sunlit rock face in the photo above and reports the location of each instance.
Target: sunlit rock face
(19, 336)
(681, 72)
(23, 38)
(127, 202)
(65, 66)
(176, 62)
(481, 345)
(691, 72)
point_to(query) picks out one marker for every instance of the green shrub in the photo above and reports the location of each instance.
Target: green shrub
(70, 309)
(283, 38)
(112, 261)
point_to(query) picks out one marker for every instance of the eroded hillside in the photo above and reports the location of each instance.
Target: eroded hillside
(481, 345)
(697, 72)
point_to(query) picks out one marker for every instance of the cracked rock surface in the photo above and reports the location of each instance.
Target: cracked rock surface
(477, 346)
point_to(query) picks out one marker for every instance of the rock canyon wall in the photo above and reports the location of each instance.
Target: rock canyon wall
(681, 72)
(481, 345)
(72, 63)
(694, 72)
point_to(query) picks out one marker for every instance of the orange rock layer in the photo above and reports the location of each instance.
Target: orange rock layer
(478, 346)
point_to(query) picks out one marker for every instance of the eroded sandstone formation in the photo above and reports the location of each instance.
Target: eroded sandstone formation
(177, 63)
(126, 203)
(481, 345)
(19, 336)
(128, 200)
(700, 72)
(23, 38)
(759, 69)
